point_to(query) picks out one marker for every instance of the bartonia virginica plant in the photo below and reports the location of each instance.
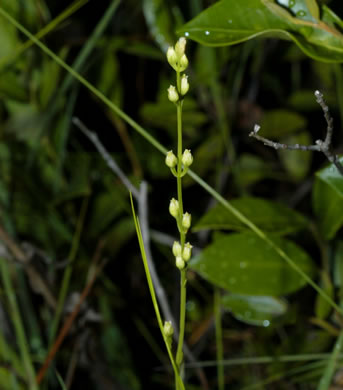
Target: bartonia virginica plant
(181, 249)
(179, 165)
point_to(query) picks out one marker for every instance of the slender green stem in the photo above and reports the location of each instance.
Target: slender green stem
(179, 158)
(219, 339)
(179, 382)
(18, 324)
(183, 276)
(183, 283)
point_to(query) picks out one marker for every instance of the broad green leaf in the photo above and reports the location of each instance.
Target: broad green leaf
(296, 162)
(243, 263)
(278, 123)
(229, 22)
(327, 200)
(254, 310)
(269, 216)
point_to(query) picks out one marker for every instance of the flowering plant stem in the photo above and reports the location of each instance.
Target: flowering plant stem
(179, 165)
(183, 280)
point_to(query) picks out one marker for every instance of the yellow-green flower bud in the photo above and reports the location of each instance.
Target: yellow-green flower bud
(180, 47)
(174, 208)
(168, 329)
(171, 159)
(172, 57)
(184, 84)
(187, 158)
(187, 251)
(173, 96)
(180, 263)
(186, 221)
(177, 249)
(183, 63)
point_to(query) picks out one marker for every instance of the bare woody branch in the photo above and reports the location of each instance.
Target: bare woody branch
(319, 146)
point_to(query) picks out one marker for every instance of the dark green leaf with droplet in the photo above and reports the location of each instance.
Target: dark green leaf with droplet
(254, 310)
(243, 263)
(229, 22)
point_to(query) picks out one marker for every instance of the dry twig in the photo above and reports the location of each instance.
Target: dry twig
(319, 146)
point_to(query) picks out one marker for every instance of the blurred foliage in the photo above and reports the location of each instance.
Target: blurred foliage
(66, 211)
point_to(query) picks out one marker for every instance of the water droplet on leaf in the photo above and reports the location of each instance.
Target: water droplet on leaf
(186, 34)
(301, 13)
(207, 32)
(291, 3)
(266, 323)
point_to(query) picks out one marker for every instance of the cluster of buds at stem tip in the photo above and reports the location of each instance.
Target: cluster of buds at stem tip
(176, 55)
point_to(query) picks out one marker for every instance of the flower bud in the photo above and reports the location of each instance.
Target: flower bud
(174, 208)
(184, 85)
(180, 263)
(171, 159)
(173, 96)
(187, 251)
(177, 249)
(183, 63)
(172, 57)
(180, 47)
(187, 158)
(186, 221)
(168, 329)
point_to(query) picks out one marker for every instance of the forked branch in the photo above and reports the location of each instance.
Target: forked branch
(323, 146)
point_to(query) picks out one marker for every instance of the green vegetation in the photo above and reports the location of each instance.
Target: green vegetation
(88, 113)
